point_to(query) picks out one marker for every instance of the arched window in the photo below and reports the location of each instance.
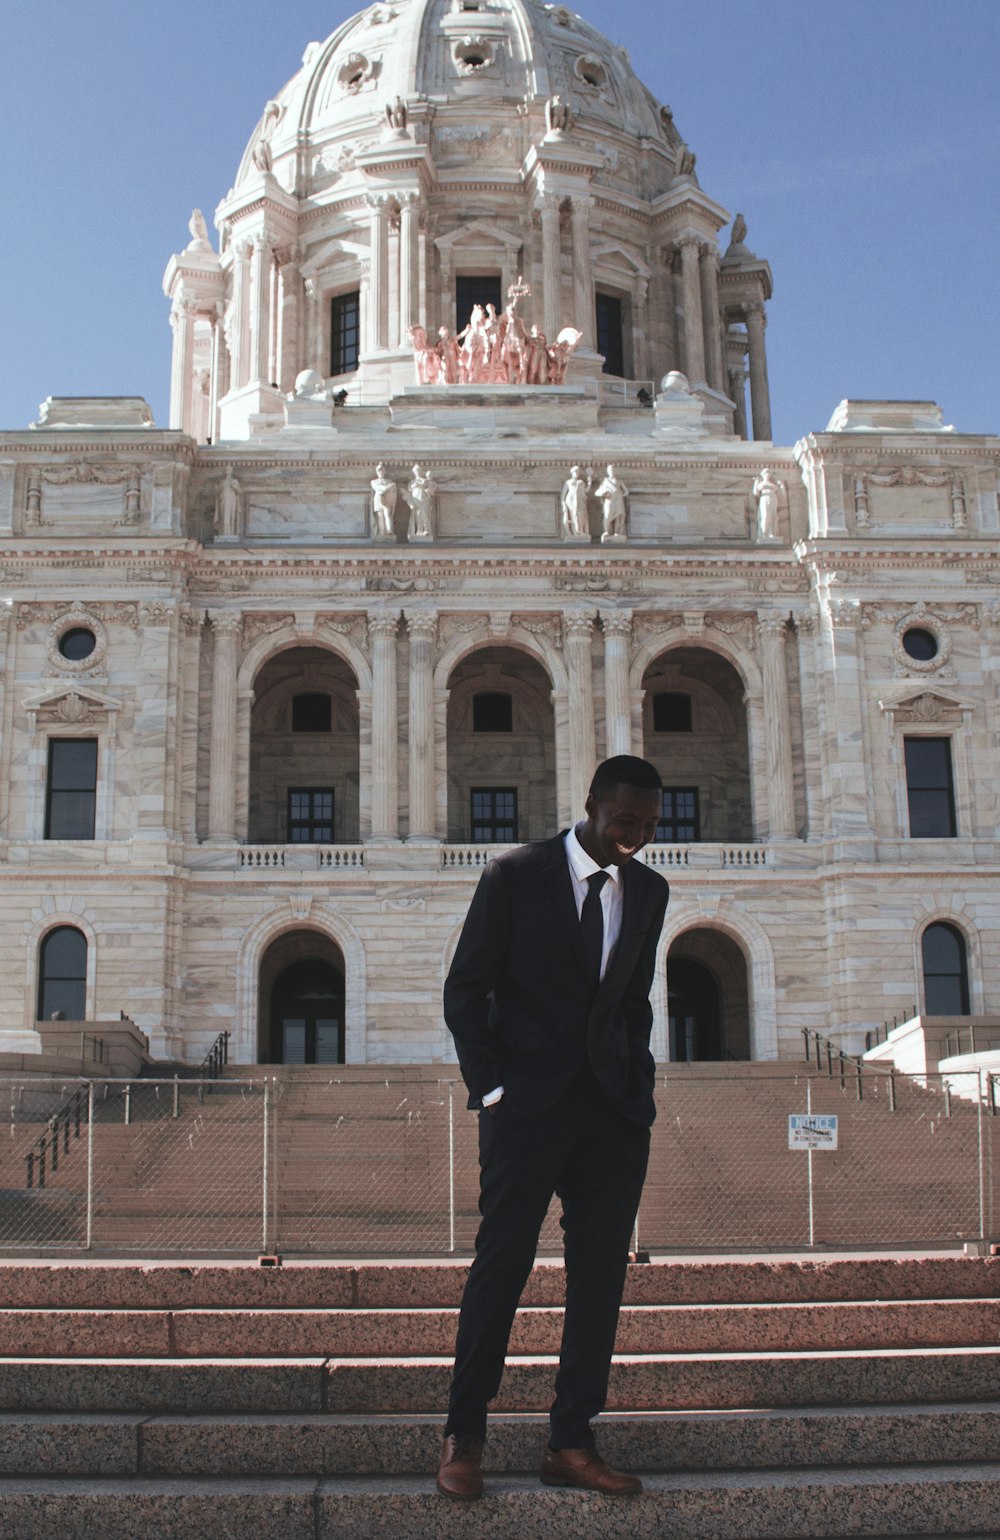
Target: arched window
(62, 975)
(946, 976)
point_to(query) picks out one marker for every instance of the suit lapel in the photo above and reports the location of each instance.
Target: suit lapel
(631, 903)
(560, 885)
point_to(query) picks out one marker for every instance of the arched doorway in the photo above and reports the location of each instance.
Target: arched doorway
(301, 1015)
(694, 729)
(707, 998)
(501, 748)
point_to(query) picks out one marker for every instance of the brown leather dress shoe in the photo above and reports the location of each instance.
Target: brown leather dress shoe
(460, 1473)
(585, 1468)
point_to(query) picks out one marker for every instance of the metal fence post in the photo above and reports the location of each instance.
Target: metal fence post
(266, 1206)
(981, 1149)
(177, 1096)
(451, 1166)
(90, 1166)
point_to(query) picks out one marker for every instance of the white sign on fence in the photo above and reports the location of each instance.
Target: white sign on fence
(812, 1131)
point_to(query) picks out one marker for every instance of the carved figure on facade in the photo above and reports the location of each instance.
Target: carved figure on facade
(427, 359)
(448, 351)
(862, 510)
(33, 500)
(396, 117)
(558, 116)
(958, 510)
(199, 231)
(573, 503)
(766, 491)
(474, 352)
(612, 494)
(227, 507)
(384, 496)
(494, 350)
(420, 495)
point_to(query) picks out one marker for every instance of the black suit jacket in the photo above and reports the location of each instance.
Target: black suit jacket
(518, 1000)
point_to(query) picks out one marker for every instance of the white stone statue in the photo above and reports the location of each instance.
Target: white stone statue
(426, 358)
(767, 491)
(396, 115)
(612, 494)
(227, 507)
(573, 502)
(384, 494)
(558, 116)
(474, 353)
(420, 496)
(199, 230)
(567, 340)
(447, 348)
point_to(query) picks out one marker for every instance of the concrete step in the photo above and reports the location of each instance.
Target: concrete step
(653, 1382)
(317, 1444)
(902, 1500)
(397, 1333)
(167, 1285)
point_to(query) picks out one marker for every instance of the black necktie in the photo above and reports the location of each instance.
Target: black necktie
(592, 924)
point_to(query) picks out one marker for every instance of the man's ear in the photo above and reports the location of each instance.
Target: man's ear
(590, 806)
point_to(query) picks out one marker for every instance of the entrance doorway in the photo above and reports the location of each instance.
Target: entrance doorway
(307, 1015)
(708, 1006)
(301, 1011)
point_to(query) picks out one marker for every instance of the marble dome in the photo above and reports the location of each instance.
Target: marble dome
(474, 76)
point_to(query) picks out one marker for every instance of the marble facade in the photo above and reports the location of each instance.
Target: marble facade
(235, 563)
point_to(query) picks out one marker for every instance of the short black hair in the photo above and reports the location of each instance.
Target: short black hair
(624, 770)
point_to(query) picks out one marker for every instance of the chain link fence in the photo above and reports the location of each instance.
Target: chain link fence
(366, 1165)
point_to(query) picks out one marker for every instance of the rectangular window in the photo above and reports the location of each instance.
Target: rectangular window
(71, 800)
(929, 789)
(610, 333)
(310, 815)
(494, 815)
(475, 289)
(679, 822)
(345, 332)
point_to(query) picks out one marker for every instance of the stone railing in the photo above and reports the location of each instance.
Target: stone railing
(469, 857)
(301, 857)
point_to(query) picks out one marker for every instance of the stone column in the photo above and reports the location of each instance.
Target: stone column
(694, 326)
(182, 322)
(771, 633)
(548, 209)
(737, 393)
(714, 361)
(385, 745)
(843, 685)
(291, 297)
(422, 628)
(260, 306)
(240, 372)
(222, 751)
(617, 702)
(583, 276)
(409, 258)
(377, 328)
(760, 395)
(216, 371)
(578, 633)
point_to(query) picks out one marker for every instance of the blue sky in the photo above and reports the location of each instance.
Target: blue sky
(860, 140)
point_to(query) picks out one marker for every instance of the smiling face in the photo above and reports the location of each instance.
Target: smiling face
(620, 824)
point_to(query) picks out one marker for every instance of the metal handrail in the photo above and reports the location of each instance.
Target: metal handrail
(216, 1058)
(45, 1149)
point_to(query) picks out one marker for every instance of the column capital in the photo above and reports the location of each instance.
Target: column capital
(755, 307)
(688, 244)
(845, 613)
(548, 202)
(772, 625)
(710, 253)
(225, 622)
(578, 623)
(383, 623)
(582, 203)
(421, 624)
(617, 622)
(378, 202)
(408, 199)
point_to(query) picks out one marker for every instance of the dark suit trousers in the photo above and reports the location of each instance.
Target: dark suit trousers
(595, 1159)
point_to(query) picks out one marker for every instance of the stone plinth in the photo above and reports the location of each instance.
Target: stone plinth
(476, 409)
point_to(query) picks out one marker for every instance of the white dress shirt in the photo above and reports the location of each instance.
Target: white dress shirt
(582, 866)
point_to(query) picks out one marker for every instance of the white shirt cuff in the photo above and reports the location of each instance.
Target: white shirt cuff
(492, 1097)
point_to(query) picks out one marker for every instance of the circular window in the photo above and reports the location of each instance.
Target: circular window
(920, 644)
(77, 644)
(592, 72)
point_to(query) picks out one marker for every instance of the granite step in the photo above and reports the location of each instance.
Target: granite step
(318, 1444)
(800, 1327)
(650, 1382)
(726, 1505)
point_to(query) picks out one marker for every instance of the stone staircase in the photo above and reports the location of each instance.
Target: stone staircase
(780, 1397)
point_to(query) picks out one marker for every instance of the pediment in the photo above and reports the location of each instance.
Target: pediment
(340, 249)
(71, 705)
(618, 257)
(478, 233)
(927, 706)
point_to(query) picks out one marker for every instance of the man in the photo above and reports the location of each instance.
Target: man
(548, 1003)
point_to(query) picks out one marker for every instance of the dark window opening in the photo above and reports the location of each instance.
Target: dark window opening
(946, 978)
(475, 289)
(494, 815)
(310, 815)
(71, 799)
(77, 644)
(62, 975)
(929, 790)
(694, 1013)
(312, 713)
(345, 332)
(679, 823)
(307, 1015)
(492, 712)
(671, 713)
(919, 644)
(610, 332)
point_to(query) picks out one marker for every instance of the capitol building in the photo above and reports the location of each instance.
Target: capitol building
(469, 483)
